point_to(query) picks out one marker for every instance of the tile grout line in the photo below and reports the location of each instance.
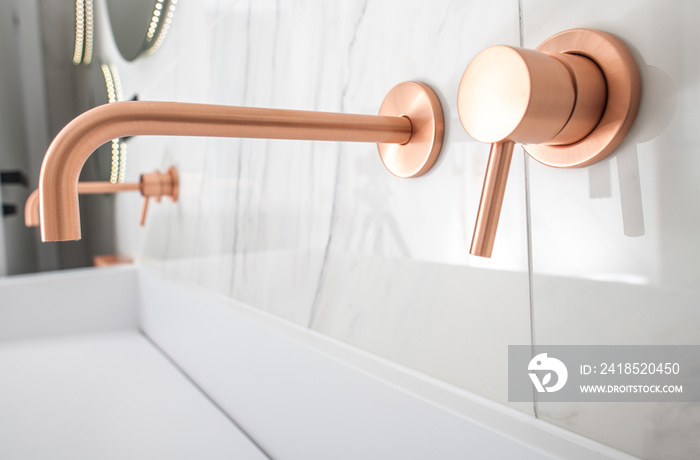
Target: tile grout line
(528, 225)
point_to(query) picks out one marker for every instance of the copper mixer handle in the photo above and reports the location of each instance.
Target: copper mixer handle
(491, 198)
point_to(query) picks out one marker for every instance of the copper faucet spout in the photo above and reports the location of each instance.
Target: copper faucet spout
(72, 146)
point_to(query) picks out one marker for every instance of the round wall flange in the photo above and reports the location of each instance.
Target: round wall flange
(419, 103)
(175, 184)
(623, 87)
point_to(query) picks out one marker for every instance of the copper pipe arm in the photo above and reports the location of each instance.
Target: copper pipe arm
(60, 219)
(75, 143)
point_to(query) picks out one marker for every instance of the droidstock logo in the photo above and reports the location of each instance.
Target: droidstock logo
(541, 363)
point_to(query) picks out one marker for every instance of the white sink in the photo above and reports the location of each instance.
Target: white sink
(80, 381)
(125, 363)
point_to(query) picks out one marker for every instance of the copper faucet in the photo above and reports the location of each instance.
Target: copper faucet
(154, 185)
(571, 103)
(408, 130)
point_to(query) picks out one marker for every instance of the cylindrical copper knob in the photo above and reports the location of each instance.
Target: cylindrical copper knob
(526, 96)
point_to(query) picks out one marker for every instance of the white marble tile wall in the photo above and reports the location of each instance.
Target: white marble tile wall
(320, 234)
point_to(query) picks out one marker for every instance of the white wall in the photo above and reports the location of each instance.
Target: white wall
(322, 235)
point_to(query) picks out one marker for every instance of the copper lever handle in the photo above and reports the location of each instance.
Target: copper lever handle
(408, 130)
(492, 198)
(571, 102)
(144, 211)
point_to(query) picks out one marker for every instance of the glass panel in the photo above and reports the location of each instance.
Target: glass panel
(615, 247)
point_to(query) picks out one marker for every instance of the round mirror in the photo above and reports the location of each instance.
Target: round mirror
(139, 26)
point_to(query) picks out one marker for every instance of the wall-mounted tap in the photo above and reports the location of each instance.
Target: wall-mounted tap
(408, 130)
(154, 185)
(571, 102)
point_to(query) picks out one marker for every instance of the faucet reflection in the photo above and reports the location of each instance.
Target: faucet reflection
(152, 185)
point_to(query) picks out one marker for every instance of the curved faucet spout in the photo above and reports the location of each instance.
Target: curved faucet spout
(58, 182)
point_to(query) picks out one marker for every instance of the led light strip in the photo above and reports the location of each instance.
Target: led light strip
(115, 94)
(82, 52)
(160, 23)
